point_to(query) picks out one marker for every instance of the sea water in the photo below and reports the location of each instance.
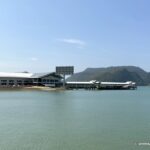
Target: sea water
(75, 120)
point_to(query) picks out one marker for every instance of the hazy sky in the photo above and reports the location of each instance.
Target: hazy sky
(37, 35)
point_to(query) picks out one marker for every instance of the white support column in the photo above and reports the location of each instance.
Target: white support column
(64, 80)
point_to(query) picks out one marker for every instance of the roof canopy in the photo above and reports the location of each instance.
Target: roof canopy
(15, 75)
(27, 75)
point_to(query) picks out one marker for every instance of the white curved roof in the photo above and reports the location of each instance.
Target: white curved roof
(82, 82)
(15, 75)
(25, 75)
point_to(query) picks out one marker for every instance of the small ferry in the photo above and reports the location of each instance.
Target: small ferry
(118, 85)
(93, 84)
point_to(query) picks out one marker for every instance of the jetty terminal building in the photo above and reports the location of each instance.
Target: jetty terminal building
(54, 79)
(27, 79)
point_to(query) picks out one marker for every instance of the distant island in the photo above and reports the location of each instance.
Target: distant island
(114, 74)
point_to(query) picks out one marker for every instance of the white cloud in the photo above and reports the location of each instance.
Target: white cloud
(34, 59)
(77, 42)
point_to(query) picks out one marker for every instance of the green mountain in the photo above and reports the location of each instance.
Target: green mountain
(113, 74)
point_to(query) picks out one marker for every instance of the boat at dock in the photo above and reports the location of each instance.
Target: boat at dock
(118, 85)
(93, 84)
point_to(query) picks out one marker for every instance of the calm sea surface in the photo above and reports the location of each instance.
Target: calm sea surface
(75, 120)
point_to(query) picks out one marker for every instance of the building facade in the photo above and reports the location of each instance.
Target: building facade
(28, 79)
